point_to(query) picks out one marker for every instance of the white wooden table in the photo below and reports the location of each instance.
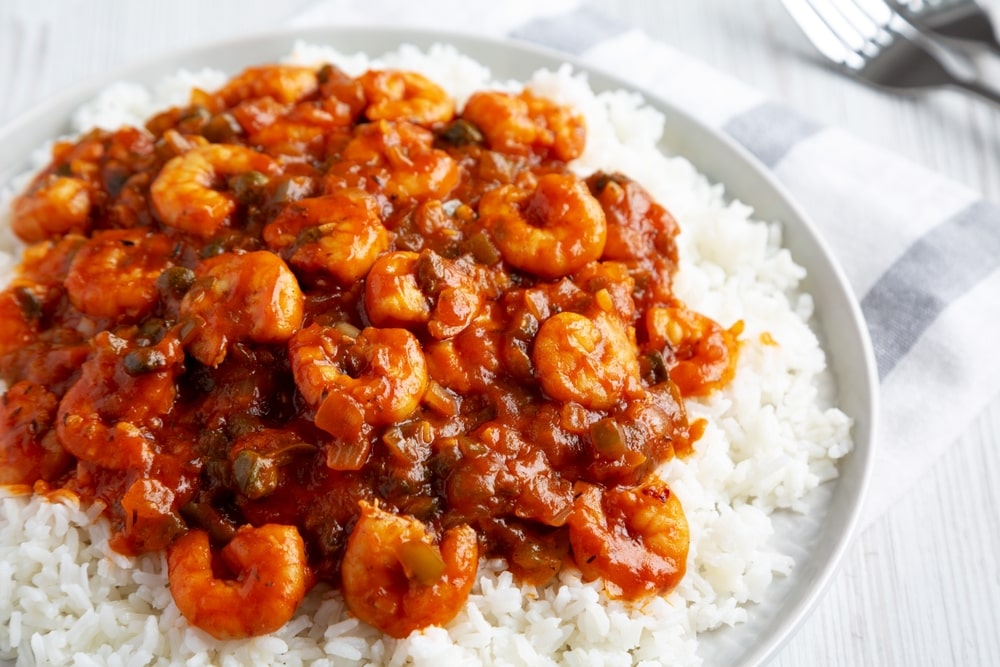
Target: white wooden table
(921, 586)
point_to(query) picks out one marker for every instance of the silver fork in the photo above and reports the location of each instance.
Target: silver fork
(872, 41)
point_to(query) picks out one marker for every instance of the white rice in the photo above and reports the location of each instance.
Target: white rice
(772, 437)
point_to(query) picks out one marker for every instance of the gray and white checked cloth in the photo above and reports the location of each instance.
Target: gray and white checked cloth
(921, 252)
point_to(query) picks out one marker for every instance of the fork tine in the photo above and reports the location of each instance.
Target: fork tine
(880, 12)
(874, 33)
(822, 35)
(831, 14)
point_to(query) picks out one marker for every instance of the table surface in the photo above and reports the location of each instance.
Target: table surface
(921, 585)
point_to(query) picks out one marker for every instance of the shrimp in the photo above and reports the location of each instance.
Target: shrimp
(342, 95)
(641, 233)
(356, 383)
(589, 360)
(700, 354)
(393, 297)
(47, 263)
(271, 579)
(396, 158)
(638, 226)
(396, 95)
(251, 297)
(551, 231)
(184, 195)
(407, 288)
(29, 450)
(298, 134)
(292, 140)
(115, 273)
(285, 83)
(523, 124)
(339, 234)
(109, 415)
(636, 539)
(471, 361)
(398, 578)
(56, 206)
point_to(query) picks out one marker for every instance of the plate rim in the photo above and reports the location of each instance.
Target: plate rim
(55, 112)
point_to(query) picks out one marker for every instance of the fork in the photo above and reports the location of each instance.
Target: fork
(870, 40)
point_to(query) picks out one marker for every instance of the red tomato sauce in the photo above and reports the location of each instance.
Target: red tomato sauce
(344, 306)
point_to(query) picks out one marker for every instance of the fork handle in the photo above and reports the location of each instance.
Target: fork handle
(990, 93)
(975, 66)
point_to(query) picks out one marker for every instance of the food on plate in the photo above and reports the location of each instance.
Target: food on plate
(337, 354)
(423, 333)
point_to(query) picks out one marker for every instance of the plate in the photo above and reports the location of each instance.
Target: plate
(817, 540)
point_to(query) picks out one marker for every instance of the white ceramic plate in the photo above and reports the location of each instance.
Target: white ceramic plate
(816, 540)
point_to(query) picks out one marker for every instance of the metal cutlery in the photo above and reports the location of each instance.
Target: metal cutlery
(872, 41)
(960, 19)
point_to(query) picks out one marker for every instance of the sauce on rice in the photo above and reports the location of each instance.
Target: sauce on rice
(379, 336)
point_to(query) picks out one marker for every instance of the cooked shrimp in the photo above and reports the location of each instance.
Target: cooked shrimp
(471, 361)
(56, 206)
(700, 354)
(414, 289)
(523, 124)
(339, 234)
(398, 578)
(551, 231)
(638, 226)
(29, 450)
(184, 194)
(271, 579)
(291, 141)
(589, 360)
(374, 379)
(397, 159)
(342, 95)
(393, 297)
(251, 297)
(396, 95)
(47, 263)
(641, 233)
(109, 414)
(115, 273)
(635, 538)
(300, 134)
(285, 83)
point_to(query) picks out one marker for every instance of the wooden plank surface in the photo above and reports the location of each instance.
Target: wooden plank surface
(921, 586)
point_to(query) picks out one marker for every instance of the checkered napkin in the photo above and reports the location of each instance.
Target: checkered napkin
(921, 252)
